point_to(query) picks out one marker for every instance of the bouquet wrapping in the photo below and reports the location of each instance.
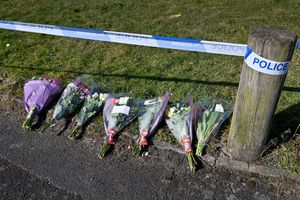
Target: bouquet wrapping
(151, 113)
(211, 116)
(38, 94)
(69, 102)
(119, 110)
(93, 103)
(180, 120)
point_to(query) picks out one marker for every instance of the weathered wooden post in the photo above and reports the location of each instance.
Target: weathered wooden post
(264, 71)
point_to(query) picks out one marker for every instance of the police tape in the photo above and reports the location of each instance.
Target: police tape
(264, 65)
(298, 44)
(131, 38)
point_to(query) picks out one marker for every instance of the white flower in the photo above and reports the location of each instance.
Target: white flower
(95, 95)
(102, 96)
(7, 45)
(172, 110)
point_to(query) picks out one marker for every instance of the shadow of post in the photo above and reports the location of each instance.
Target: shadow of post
(285, 124)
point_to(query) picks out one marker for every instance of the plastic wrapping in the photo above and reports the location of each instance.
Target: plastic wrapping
(151, 113)
(93, 103)
(119, 110)
(180, 119)
(212, 114)
(38, 94)
(70, 101)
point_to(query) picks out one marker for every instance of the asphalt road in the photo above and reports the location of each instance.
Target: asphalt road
(17, 184)
(35, 166)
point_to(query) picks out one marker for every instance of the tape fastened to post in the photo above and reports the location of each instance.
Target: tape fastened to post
(264, 65)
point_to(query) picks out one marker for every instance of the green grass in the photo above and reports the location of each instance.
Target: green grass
(289, 158)
(286, 156)
(142, 70)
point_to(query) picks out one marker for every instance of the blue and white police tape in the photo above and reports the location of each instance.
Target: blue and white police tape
(264, 65)
(131, 38)
(298, 44)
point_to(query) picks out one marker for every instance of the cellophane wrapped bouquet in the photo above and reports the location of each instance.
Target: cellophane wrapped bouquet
(151, 113)
(70, 101)
(119, 110)
(212, 114)
(38, 94)
(180, 119)
(93, 103)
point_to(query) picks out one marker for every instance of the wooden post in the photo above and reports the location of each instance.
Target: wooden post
(258, 93)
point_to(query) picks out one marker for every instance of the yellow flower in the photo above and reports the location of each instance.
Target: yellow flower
(171, 111)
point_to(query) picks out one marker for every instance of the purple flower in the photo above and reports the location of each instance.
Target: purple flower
(86, 91)
(56, 81)
(78, 83)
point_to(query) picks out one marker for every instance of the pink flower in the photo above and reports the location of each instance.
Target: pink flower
(56, 81)
(86, 91)
(46, 78)
(115, 101)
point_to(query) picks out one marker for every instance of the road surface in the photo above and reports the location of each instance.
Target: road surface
(46, 166)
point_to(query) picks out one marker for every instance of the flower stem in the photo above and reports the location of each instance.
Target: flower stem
(199, 150)
(137, 148)
(192, 162)
(73, 134)
(47, 125)
(27, 123)
(103, 150)
(29, 119)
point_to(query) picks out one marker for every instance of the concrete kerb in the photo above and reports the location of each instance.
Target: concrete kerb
(228, 163)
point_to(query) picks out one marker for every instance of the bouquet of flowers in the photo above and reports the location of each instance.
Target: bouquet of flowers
(69, 102)
(180, 118)
(151, 113)
(119, 110)
(38, 94)
(91, 106)
(212, 115)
